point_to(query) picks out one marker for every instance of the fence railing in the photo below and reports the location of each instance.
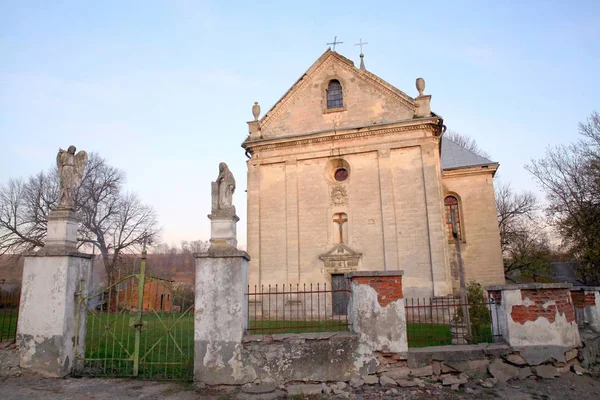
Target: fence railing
(9, 313)
(297, 308)
(441, 321)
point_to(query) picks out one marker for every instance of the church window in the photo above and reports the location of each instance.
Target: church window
(341, 174)
(452, 207)
(335, 97)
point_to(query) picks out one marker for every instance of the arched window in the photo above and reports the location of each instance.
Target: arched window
(452, 207)
(335, 98)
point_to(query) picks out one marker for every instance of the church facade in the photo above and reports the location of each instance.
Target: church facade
(348, 173)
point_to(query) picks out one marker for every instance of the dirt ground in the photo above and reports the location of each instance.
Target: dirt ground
(569, 386)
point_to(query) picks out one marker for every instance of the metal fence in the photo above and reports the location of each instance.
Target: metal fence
(449, 320)
(297, 308)
(9, 312)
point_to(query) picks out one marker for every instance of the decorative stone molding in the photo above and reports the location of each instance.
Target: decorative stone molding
(341, 259)
(339, 196)
(257, 146)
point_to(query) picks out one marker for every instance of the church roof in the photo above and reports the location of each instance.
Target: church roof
(455, 156)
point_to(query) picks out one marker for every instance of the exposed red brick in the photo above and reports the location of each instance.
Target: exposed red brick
(582, 299)
(388, 288)
(561, 298)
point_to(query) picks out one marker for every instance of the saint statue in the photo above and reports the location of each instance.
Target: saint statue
(70, 171)
(222, 190)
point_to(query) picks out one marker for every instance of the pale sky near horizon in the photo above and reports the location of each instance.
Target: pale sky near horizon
(163, 89)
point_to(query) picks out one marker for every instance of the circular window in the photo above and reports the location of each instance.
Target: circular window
(341, 174)
(337, 170)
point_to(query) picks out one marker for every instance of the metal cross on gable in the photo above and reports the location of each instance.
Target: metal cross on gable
(361, 44)
(334, 43)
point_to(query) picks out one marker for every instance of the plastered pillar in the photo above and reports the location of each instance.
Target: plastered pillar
(220, 319)
(51, 326)
(377, 312)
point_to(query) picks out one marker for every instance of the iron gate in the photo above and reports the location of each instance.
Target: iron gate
(139, 326)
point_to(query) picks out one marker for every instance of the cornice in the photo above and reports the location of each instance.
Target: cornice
(315, 138)
(471, 170)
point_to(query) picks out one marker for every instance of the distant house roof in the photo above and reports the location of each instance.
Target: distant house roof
(455, 156)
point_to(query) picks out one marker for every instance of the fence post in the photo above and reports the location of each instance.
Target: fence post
(51, 322)
(377, 310)
(536, 314)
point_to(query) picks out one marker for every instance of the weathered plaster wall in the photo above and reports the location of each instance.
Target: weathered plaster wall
(47, 313)
(220, 318)
(587, 306)
(481, 252)
(537, 315)
(378, 316)
(303, 357)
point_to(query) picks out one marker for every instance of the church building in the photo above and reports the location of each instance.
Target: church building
(348, 173)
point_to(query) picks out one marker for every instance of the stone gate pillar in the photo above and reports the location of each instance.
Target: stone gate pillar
(221, 304)
(48, 313)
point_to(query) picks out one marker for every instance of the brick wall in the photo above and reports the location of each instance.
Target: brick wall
(547, 303)
(583, 299)
(388, 288)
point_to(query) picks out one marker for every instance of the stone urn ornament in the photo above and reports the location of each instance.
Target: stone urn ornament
(420, 83)
(256, 110)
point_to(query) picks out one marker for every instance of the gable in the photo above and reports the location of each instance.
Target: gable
(368, 100)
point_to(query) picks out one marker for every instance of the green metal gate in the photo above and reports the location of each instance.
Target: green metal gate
(139, 326)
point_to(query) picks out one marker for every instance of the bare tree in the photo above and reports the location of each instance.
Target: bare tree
(570, 177)
(466, 142)
(112, 221)
(513, 210)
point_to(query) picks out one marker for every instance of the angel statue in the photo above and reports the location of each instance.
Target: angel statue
(70, 171)
(222, 190)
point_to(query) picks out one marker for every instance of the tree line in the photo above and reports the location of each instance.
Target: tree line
(569, 177)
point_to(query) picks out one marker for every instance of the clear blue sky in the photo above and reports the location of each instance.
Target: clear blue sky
(163, 89)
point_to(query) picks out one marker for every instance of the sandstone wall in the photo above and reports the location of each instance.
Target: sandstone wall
(481, 252)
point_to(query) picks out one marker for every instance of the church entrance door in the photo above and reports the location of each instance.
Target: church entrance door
(340, 296)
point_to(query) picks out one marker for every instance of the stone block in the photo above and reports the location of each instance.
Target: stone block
(398, 373)
(423, 371)
(502, 371)
(356, 382)
(370, 379)
(387, 381)
(450, 380)
(306, 389)
(547, 371)
(525, 373)
(515, 359)
(406, 383)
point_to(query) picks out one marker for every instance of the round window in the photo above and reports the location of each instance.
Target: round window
(341, 174)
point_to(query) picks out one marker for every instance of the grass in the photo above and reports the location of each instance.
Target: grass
(166, 345)
(270, 327)
(424, 335)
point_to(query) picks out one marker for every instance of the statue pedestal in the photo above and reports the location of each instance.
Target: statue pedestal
(223, 229)
(62, 230)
